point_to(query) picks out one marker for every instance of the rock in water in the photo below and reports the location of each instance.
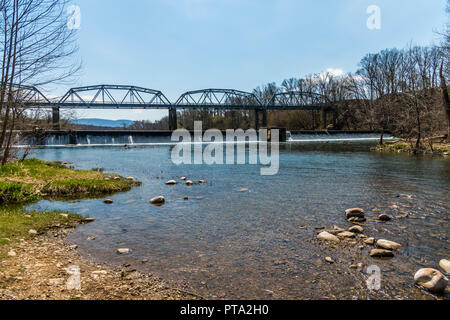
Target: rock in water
(357, 220)
(189, 183)
(369, 241)
(388, 245)
(183, 178)
(123, 250)
(354, 213)
(171, 182)
(158, 201)
(384, 217)
(381, 253)
(356, 229)
(329, 260)
(346, 234)
(445, 265)
(431, 279)
(327, 237)
(108, 201)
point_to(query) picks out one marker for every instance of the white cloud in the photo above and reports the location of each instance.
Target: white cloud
(334, 72)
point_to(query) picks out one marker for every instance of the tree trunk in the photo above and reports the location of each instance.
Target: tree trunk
(381, 142)
(445, 98)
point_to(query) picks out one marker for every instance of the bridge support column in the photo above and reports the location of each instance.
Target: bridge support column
(334, 119)
(55, 119)
(173, 122)
(264, 118)
(256, 119)
(324, 118)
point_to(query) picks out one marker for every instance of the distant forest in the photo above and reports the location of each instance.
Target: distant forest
(400, 91)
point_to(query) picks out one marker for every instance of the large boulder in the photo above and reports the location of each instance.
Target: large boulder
(381, 253)
(384, 217)
(158, 201)
(346, 234)
(356, 229)
(327, 237)
(388, 245)
(431, 279)
(445, 265)
(354, 213)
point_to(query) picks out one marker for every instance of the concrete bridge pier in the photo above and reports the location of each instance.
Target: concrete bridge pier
(173, 122)
(324, 118)
(264, 118)
(325, 112)
(257, 118)
(55, 119)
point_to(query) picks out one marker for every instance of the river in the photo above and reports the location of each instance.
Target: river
(239, 236)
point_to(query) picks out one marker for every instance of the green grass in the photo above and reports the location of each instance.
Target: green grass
(22, 182)
(15, 224)
(15, 192)
(33, 179)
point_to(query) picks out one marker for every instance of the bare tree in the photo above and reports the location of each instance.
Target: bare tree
(37, 48)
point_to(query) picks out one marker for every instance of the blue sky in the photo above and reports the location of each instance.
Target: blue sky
(180, 45)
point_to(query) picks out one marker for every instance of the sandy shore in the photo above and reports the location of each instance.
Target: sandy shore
(37, 269)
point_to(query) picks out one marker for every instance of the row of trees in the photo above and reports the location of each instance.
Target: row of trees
(401, 91)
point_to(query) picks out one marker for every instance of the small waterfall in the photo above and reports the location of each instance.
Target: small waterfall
(150, 138)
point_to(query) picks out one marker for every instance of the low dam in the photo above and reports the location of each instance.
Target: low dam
(61, 138)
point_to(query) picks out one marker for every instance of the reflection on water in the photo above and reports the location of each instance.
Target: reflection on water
(239, 235)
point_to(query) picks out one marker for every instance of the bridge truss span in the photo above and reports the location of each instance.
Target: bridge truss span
(114, 97)
(134, 97)
(29, 95)
(219, 98)
(295, 100)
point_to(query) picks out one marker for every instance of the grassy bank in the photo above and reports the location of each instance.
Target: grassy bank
(31, 180)
(22, 182)
(16, 224)
(408, 147)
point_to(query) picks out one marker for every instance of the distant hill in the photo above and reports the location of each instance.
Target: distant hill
(103, 122)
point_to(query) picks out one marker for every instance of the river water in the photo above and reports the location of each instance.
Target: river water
(239, 236)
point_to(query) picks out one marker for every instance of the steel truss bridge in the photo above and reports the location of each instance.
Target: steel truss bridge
(132, 97)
